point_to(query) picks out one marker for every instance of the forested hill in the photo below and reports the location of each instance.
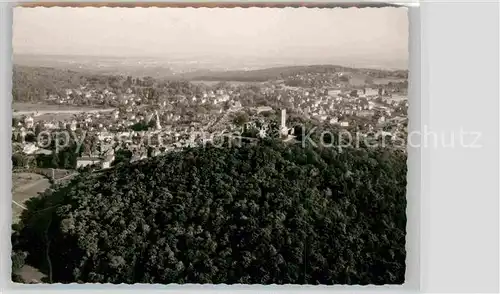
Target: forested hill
(262, 213)
(258, 75)
(261, 75)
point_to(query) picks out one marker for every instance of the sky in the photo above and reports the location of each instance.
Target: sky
(379, 35)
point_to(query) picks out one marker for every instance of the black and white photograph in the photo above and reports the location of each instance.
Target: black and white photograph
(209, 145)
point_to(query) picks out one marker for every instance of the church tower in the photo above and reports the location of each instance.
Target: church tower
(157, 117)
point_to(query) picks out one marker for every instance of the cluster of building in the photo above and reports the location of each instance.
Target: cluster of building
(170, 123)
(84, 96)
(330, 79)
(366, 108)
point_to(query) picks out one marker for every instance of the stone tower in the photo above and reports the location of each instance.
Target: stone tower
(157, 117)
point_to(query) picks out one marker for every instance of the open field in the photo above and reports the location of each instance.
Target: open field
(385, 81)
(357, 80)
(53, 116)
(49, 109)
(212, 83)
(25, 186)
(22, 106)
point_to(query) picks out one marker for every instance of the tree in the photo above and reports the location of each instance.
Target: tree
(151, 124)
(19, 160)
(344, 78)
(18, 259)
(240, 119)
(38, 129)
(15, 121)
(55, 160)
(66, 161)
(30, 137)
(140, 126)
(122, 155)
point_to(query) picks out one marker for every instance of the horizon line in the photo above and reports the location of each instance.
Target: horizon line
(279, 62)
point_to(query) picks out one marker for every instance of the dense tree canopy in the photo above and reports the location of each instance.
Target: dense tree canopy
(264, 213)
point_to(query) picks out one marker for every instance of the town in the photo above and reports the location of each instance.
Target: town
(135, 120)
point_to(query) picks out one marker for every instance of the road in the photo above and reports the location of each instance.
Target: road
(66, 177)
(75, 111)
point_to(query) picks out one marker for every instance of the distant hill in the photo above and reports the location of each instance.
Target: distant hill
(94, 65)
(259, 75)
(140, 67)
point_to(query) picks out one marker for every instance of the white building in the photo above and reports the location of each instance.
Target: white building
(87, 161)
(137, 157)
(371, 92)
(50, 125)
(106, 163)
(29, 148)
(237, 104)
(155, 152)
(43, 151)
(29, 122)
(334, 92)
(104, 136)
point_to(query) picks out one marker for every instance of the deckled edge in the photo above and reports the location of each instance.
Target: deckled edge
(215, 4)
(270, 4)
